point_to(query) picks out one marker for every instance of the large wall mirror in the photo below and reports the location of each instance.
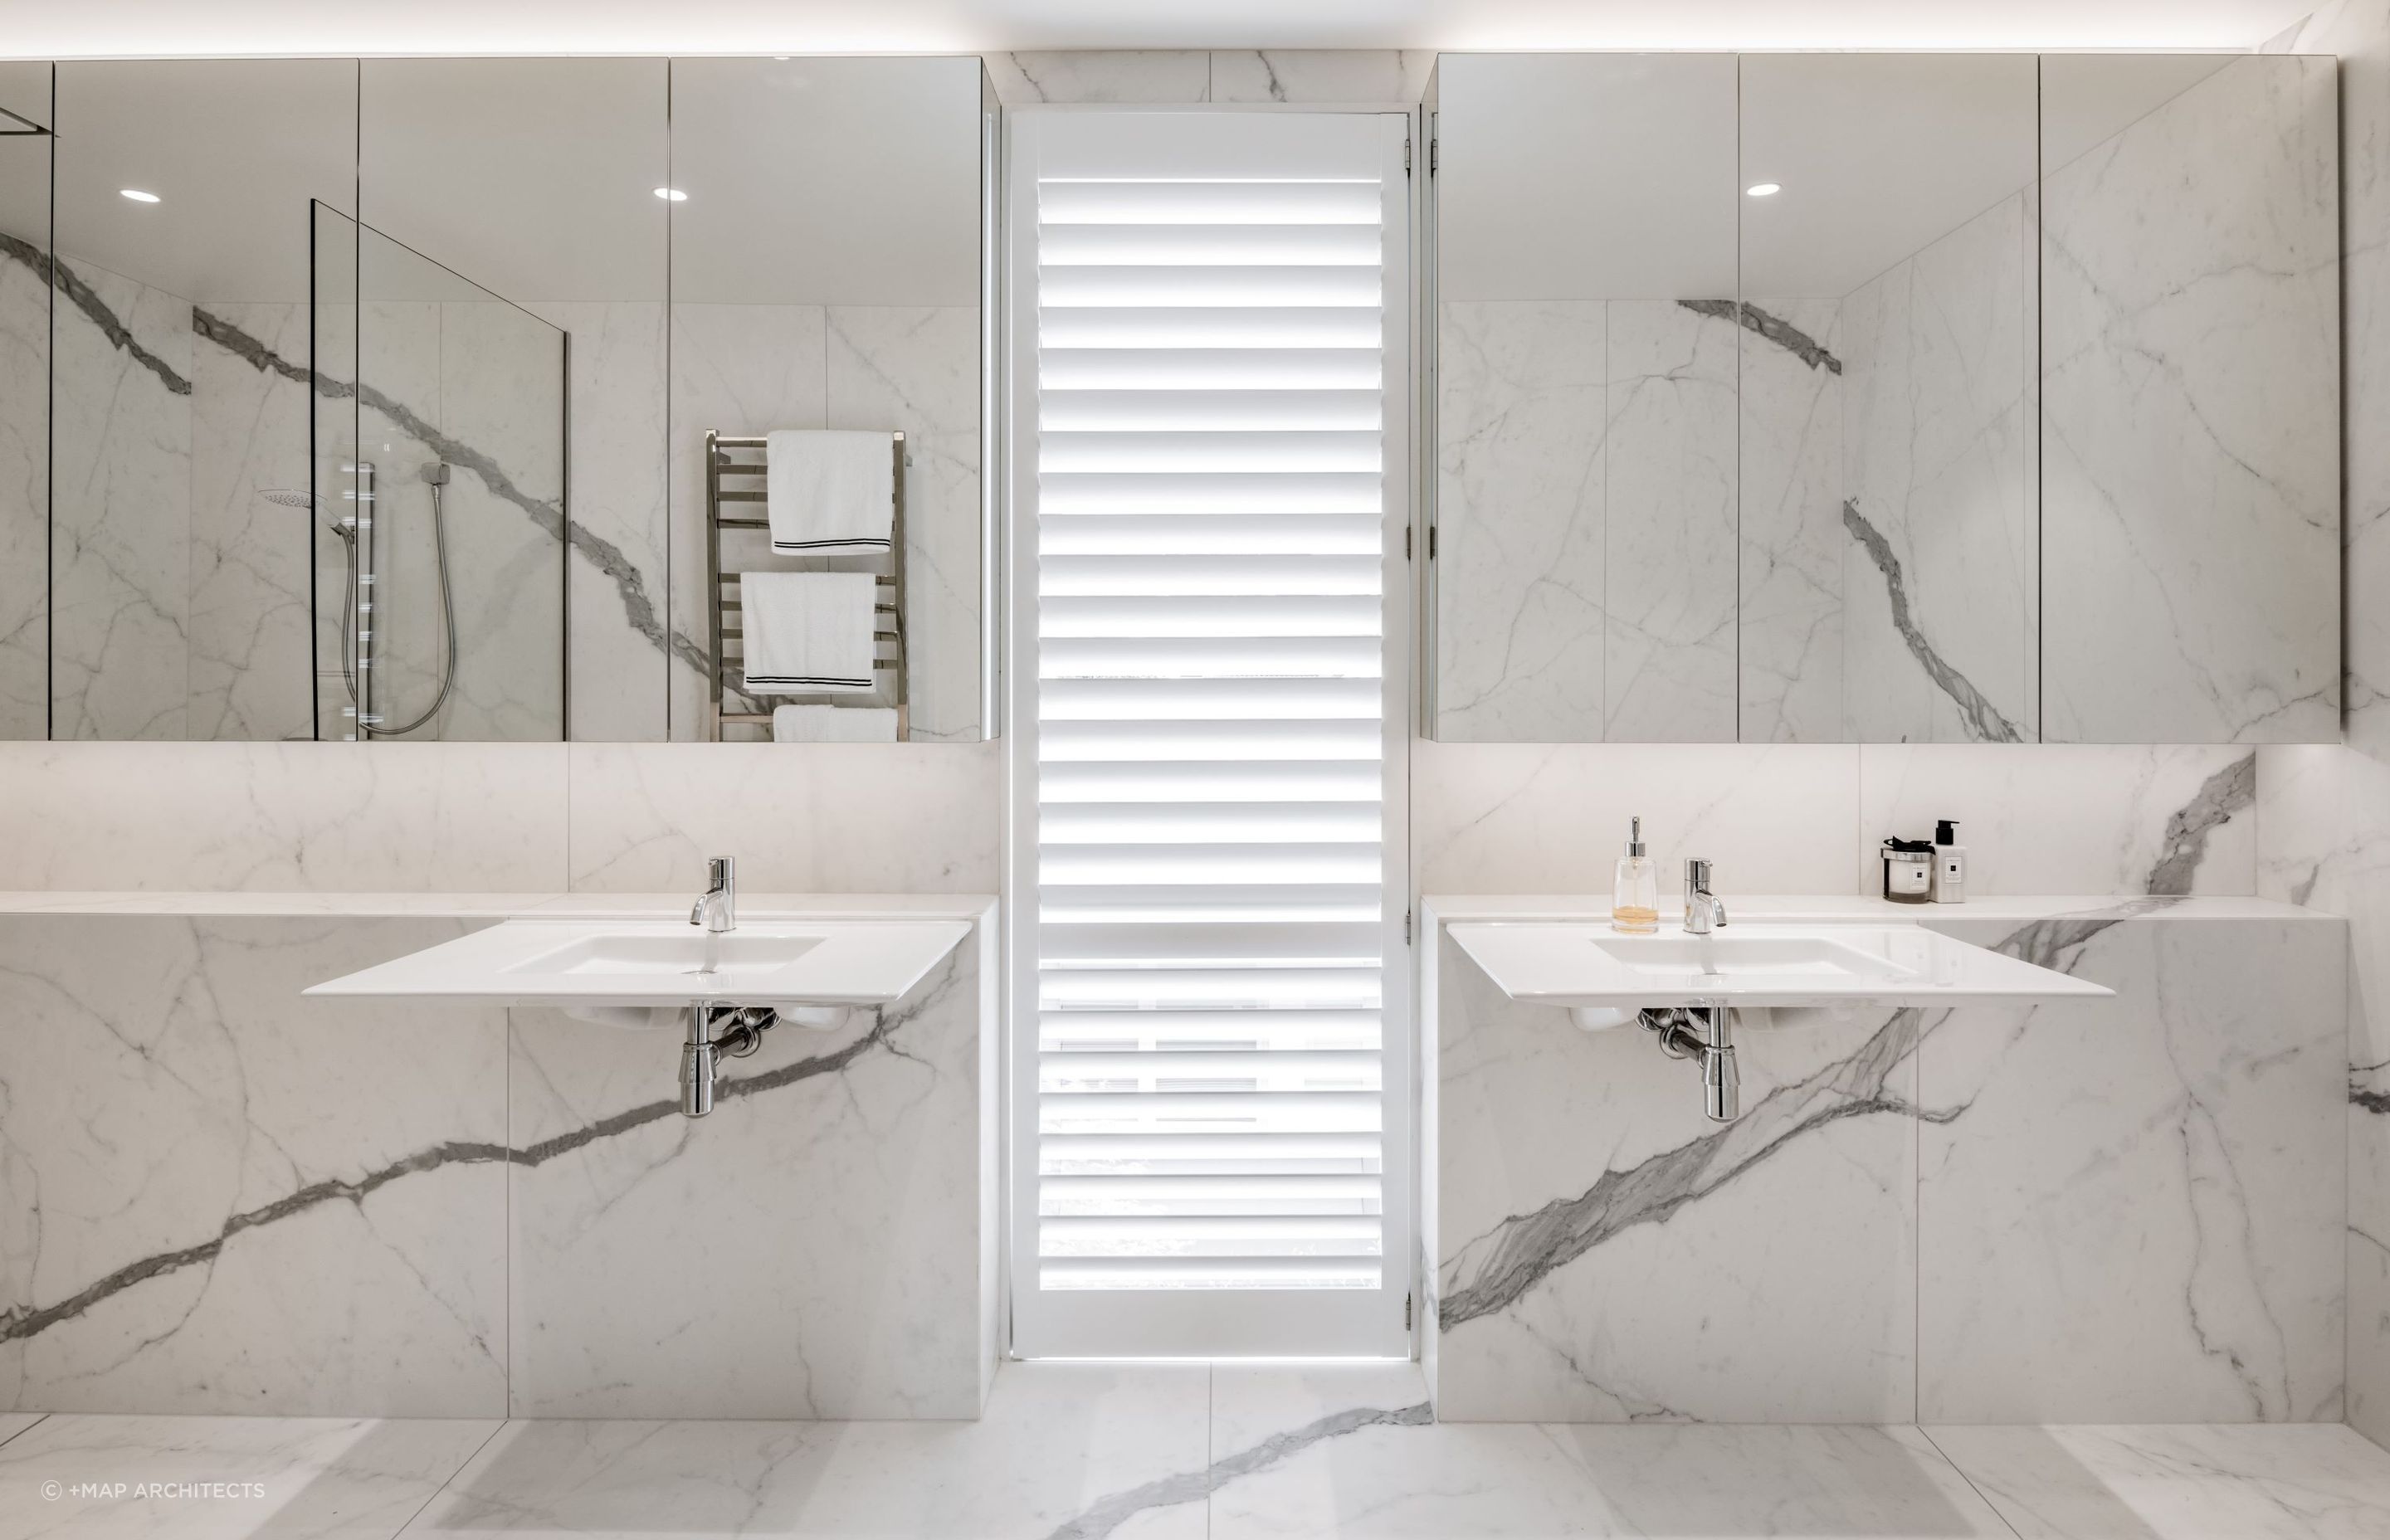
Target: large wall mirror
(1885, 398)
(371, 400)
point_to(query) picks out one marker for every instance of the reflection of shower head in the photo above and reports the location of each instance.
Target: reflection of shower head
(291, 497)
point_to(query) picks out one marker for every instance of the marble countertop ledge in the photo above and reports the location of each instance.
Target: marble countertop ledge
(386, 905)
(1760, 908)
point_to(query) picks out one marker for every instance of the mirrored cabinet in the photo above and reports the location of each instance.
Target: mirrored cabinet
(370, 399)
(1885, 398)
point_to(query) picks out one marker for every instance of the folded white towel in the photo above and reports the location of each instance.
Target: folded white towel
(829, 492)
(834, 724)
(806, 632)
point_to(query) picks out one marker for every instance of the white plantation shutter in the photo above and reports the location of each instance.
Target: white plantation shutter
(1211, 315)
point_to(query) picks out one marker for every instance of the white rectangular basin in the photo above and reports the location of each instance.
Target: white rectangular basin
(1585, 963)
(600, 962)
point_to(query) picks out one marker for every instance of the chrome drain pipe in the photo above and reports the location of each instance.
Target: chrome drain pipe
(701, 1052)
(1705, 1033)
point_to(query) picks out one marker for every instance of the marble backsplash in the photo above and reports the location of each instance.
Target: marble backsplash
(218, 1197)
(2113, 1211)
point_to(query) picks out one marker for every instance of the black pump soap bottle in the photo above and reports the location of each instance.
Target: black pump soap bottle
(1949, 862)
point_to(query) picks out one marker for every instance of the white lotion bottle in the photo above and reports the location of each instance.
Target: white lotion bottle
(1949, 862)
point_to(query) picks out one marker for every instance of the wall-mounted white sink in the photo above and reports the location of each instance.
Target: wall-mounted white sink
(1586, 963)
(585, 963)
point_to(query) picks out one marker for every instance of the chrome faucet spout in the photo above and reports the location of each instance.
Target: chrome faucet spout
(717, 907)
(1703, 910)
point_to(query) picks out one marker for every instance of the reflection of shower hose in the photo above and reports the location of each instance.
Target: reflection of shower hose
(436, 473)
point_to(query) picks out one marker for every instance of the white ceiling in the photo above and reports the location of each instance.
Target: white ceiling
(99, 28)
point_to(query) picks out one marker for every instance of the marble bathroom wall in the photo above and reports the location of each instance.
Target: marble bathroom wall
(498, 817)
(2324, 810)
(1586, 512)
(1938, 505)
(251, 604)
(220, 1199)
(121, 404)
(478, 384)
(747, 369)
(1150, 76)
(24, 437)
(617, 643)
(1793, 538)
(216, 1197)
(1810, 818)
(2114, 1211)
(2191, 445)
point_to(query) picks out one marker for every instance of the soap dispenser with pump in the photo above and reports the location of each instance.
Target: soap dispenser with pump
(1635, 891)
(1949, 862)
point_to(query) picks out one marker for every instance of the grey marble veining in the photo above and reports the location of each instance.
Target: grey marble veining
(233, 1200)
(24, 498)
(1969, 1214)
(2190, 408)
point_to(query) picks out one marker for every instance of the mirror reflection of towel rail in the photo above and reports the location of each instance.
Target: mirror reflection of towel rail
(734, 475)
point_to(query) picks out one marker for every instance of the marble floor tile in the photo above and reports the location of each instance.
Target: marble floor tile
(1083, 1450)
(1339, 1451)
(13, 1423)
(1697, 1483)
(2178, 1483)
(290, 1478)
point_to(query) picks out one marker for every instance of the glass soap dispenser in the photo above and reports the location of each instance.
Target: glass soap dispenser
(1635, 892)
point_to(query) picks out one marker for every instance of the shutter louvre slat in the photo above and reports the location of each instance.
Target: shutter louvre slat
(1210, 744)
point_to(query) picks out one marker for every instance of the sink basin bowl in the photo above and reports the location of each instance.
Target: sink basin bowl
(1744, 957)
(1585, 964)
(697, 955)
(661, 965)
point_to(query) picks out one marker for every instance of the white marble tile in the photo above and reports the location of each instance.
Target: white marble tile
(308, 1479)
(266, 815)
(1669, 583)
(2131, 1209)
(13, 1423)
(1320, 75)
(1494, 819)
(813, 818)
(2324, 820)
(1734, 1482)
(618, 650)
(219, 1198)
(1138, 75)
(1941, 566)
(1063, 1449)
(917, 370)
(2072, 819)
(1519, 522)
(834, 1202)
(500, 426)
(2190, 455)
(740, 370)
(121, 508)
(1608, 1255)
(251, 606)
(24, 471)
(2176, 1483)
(1791, 529)
(1350, 1452)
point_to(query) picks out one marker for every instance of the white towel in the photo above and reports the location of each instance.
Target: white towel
(834, 724)
(829, 492)
(806, 632)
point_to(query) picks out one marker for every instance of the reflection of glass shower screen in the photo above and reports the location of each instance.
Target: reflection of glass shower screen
(418, 367)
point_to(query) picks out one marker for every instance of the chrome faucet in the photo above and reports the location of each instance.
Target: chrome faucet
(717, 907)
(1703, 913)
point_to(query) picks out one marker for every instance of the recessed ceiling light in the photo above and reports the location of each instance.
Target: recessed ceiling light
(139, 195)
(1762, 189)
(671, 195)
